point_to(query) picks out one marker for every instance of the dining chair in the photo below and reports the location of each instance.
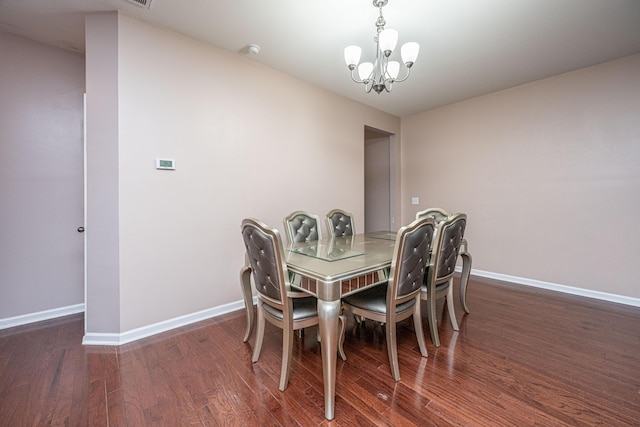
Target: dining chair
(439, 215)
(277, 303)
(442, 264)
(302, 226)
(340, 223)
(399, 298)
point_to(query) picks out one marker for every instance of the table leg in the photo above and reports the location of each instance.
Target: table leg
(245, 284)
(464, 279)
(328, 315)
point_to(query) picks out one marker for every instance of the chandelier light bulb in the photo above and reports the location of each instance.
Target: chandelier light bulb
(364, 70)
(387, 40)
(352, 56)
(409, 53)
(393, 69)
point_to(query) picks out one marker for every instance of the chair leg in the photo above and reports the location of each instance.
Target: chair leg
(358, 319)
(245, 282)
(343, 331)
(464, 279)
(433, 320)
(287, 350)
(392, 349)
(259, 334)
(417, 325)
(379, 325)
(451, 308)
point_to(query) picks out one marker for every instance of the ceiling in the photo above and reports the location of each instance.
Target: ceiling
(467, 47)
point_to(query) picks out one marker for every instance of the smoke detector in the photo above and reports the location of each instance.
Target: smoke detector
(140, 3)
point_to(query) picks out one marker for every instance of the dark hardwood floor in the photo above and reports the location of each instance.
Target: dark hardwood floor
(523, 356)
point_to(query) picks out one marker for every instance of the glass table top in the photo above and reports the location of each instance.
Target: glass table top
(334, 249)
(335, 258)
(326, 251)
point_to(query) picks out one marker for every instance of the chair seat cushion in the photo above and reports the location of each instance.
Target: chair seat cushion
(375, 299)
(303, 308)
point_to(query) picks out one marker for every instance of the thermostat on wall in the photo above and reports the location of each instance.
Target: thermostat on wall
(169, 164)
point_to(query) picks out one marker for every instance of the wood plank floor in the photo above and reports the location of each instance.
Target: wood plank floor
(523, 356)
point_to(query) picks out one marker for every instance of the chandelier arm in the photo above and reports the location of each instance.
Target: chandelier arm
(368, 83)
(353, 74)
(405, 77)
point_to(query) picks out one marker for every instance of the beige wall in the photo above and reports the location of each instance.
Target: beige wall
(103, 294)
(559, 156)
(41, 253)
(247, 140)
(549, 174)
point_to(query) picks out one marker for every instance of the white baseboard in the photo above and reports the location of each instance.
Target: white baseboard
(95, 338)
(620, 299)
(25, 319)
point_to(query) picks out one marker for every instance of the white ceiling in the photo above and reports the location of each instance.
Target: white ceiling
(467, 47)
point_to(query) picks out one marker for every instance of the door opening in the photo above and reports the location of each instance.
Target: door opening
(379, 180)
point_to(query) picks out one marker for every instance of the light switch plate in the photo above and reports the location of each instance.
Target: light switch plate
(415, 200)
(168, 164)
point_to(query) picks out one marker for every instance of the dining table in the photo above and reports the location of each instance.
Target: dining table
(330, 269)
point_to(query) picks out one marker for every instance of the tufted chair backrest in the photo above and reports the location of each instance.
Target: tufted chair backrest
(449, 237)
(266, 257)
(411, 257)
(302, 227)
(340, 223)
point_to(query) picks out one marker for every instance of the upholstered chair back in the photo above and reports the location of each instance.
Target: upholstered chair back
(302, 227)
(410, 264)
(450, 237)
(340, 223)
(266, 257)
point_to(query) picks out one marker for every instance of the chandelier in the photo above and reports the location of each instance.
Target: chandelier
(382, 73)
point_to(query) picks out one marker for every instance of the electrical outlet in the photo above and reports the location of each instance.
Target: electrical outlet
(415, 200)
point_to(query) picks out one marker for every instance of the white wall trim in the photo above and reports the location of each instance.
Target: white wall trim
(95, 338)
(620, 299)
(24, 319)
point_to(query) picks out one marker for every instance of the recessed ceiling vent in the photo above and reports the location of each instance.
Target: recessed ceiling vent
(140, 3)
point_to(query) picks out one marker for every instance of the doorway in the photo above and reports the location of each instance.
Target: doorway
(379, 180)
